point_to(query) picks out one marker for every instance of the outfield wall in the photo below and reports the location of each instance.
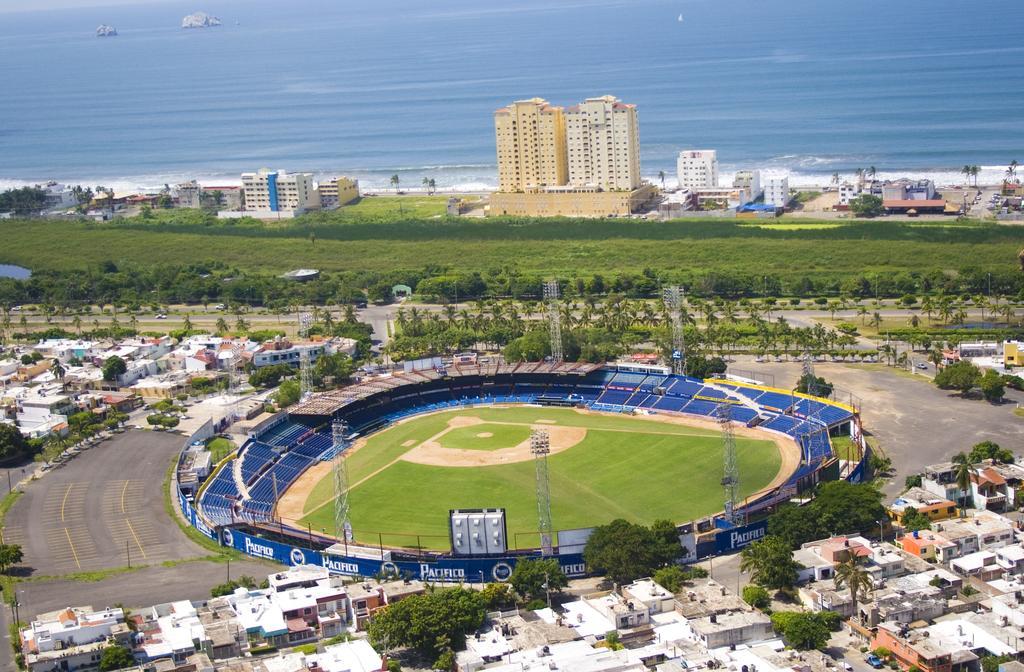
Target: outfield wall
(437, 569)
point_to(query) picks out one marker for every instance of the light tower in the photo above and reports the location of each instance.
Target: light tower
(540, 447)
(731, 472)
(674, 298)
(339, 468)
(554, 320)
(306, 383)
(808, 374)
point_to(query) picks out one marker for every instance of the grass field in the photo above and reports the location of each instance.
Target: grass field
(624, 467)
(373, 236)
(487, 436)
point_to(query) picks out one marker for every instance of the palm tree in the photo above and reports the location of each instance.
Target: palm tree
(395, 181)
(77, 322)
(661, 176)
(431, 186)
(1012, 169)
(58, 371)
(852, 575)
(872, 172)
(962, 472)
(975, 170)
(222, 326)
(835, 178)
(966, 170)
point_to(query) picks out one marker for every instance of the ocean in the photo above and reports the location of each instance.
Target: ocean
(804, 87)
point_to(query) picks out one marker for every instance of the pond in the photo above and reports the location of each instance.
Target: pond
(16, 272)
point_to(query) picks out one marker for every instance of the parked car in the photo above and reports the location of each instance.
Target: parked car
(921, 365)
(161, 316)
(874, 661)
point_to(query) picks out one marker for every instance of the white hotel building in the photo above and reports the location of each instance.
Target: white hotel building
(697, 169)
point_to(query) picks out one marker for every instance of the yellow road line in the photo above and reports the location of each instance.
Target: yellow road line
(123, 491)
(72, 544)
(137, 542)
(64, 502)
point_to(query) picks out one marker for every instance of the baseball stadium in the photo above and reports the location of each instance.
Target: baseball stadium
(403, 450)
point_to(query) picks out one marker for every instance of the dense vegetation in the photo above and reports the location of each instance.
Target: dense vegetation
(447, 258)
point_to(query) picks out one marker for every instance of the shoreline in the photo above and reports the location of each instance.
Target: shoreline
(481, 180)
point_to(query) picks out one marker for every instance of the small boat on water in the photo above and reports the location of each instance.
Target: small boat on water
(680, 19)
(106, 31)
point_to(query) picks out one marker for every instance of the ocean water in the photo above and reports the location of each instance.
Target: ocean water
(805, 87)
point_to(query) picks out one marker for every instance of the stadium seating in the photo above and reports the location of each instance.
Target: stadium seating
(272, 462)
(256, 457)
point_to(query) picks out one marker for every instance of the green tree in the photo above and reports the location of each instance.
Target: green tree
(756, 596)
(12, 443)
(288, 394)
(990, 450)
(850, 574)
(671, 578)
(992, 386)
(770, 563)
(839, 507)
(10, 554)
(530, 577)
(802, 630)
(115, 658)
(915, 521)
(430, 623)
(962, 472)
(498, 596)
(866, 205)
(822, 388)
(624, 551)
(113, 367)
(962, 376)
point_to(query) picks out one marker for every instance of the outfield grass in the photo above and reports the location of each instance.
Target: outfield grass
(220, 448)
(636, 469)
(501, 436)
(374, 240)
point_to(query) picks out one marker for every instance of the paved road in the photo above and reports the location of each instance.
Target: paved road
(101, 508)
(137, 589)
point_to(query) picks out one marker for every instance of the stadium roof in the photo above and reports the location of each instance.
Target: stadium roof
(331, 402)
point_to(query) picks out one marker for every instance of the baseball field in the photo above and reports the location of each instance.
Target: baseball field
(404, 480)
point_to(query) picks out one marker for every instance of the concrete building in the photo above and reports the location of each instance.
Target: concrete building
(750, 182)
(71, 639)
(531, 145)
(279, 193)
(697, 169)
(603, 144)
(776, 191)
(732, 629)
(571, 202)
(189, 195)
(923, 502)
(337, 192)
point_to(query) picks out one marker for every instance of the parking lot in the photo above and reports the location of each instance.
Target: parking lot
(100, 510)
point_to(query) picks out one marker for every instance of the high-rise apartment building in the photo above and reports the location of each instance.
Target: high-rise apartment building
(531, 145)
(697, 169)
(603, 144)
(279, 192)
(776, 191)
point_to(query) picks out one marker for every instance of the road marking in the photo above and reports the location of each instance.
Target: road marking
(63, 503)
(137, 542)
(73, 551)
(123, 491)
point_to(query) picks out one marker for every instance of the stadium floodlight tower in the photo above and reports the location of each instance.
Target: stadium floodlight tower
(731, 471)
(808, 374)
(339, 468)
(554, 320)
(540, 447)
(305, 322)
(674, 298)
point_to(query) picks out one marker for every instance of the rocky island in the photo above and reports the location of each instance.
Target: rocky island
(200, 20)
(106, 31)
